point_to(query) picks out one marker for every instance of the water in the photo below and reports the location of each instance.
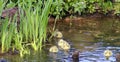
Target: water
(33, 57)
(89, 36)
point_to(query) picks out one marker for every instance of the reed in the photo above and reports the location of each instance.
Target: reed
(32, 27)
(2, 4)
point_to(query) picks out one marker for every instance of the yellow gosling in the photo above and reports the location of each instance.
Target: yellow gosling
(53, 49)
(61, 42)
(58, 34)
(64, 44)
(107, 54)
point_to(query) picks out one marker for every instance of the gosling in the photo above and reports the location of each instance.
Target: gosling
(53, 49)
(58, 34)
(107, 54)
(63, 44)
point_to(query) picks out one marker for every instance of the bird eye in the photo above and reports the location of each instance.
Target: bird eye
(2, 17)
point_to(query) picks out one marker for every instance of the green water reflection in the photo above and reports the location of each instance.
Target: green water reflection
(33, 57)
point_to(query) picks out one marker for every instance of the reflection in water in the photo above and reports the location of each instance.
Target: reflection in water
(33, 57)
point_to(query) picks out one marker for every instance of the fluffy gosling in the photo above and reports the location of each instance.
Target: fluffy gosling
(64, 44)
(53, 49)
(58, 34)
(107, 54)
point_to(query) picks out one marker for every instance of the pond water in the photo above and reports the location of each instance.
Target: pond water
(90, 36)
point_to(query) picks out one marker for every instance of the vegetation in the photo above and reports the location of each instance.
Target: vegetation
(30, 32)
(70, 7)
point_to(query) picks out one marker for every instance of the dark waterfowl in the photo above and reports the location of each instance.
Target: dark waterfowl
(75, 56)
(118, 57)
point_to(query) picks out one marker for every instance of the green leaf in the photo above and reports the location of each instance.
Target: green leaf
(11, 5)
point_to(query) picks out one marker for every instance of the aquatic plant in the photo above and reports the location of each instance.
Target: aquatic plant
(30, 32)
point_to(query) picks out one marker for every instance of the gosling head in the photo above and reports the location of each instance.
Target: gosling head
(107, 54)
(53, 49)
(63, 44)
(58, 34)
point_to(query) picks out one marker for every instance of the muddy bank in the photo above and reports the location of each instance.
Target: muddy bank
(89, 22)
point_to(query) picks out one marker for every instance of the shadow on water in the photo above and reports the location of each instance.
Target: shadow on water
(89, 36)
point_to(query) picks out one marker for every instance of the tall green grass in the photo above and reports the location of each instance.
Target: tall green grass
(2, 4)
(32, 28)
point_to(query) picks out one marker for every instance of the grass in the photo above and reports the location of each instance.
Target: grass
(32, 28)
